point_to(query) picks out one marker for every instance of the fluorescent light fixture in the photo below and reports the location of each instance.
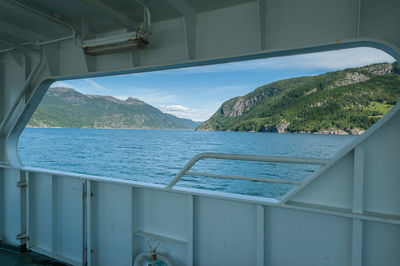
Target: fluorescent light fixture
(114, 44)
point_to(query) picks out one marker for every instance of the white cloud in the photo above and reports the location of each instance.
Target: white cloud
(151, 96)
(331, 60)
(95, 85)
(122, 97)
(179, 111)
(196, 114)
(228, 88)
(63, 84)
(339, 59)
(176, 108)
(86, 86)
(157, 98)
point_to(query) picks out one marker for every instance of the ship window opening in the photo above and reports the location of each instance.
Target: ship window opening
(142, 126)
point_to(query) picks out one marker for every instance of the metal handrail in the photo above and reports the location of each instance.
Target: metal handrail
(245, 157)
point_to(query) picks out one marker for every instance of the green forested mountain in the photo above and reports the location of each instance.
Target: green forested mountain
(341, 102)
(65, 107)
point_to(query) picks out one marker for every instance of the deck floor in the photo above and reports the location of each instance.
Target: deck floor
(15, 258)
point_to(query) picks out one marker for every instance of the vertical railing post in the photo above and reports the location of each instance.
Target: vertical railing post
(1, 201)
(358, 191)
(260, 235)
(88, 222)
(22, 185)
(53, 215)
(190, 218)
(358, 180)
(132, 238)
(27, 208)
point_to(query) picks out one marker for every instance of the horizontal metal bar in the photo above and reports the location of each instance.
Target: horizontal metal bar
(262, 158)
(265, 180)
(246, 157)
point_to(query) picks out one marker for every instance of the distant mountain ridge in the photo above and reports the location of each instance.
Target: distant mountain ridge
(341, 102)
(68, 108)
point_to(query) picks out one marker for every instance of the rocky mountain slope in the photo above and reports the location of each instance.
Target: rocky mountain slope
(66, 107)
(341, 102)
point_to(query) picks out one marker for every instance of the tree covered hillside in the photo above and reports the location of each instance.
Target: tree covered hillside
(66, 107)
(347, 101)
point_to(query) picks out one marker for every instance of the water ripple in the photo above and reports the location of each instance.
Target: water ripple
(156, 156)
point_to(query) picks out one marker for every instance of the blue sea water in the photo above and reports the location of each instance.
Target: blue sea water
(156, 156)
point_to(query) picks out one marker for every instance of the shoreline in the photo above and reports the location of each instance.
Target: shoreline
(321, 132)
(111, 128)
(339, 132)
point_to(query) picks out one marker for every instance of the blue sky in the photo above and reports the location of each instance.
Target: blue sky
(198, 92)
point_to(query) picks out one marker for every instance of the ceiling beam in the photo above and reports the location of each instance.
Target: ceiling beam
(190, 36)
(111, 12)
(182, 7)
(262, 9)
(19, 32)
(189, 23)
(21, 10)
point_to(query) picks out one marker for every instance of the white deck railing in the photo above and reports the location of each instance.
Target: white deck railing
(246, 157)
